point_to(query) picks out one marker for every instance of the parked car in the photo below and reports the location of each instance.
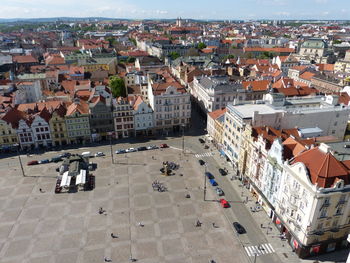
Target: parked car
(224, 203)
(223, 172)
(201, 140)
(86, 154)
(56, 159)
(44, 161)
(201, 162)
(209, 175)
(219, 191)
(213, 182)
(120, 151)
(130, 150)
(99, 154)
(239, 228)
(164, 145)
(142, 148)
(152, 147)
(65, 155)
(34, 162)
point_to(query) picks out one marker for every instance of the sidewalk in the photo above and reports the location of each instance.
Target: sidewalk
(282, 248)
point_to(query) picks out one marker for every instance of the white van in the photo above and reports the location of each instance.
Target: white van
(86, 154)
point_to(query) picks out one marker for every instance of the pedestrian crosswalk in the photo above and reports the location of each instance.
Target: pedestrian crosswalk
(207, 154)
(259, 250)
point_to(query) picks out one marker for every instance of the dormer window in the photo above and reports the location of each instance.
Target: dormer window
(339, 184)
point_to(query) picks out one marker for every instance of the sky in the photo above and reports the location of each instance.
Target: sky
(196, 9)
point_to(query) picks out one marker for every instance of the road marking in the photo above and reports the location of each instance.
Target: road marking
(259, 250)
(207, 154)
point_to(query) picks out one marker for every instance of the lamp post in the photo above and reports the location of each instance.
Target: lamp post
(205, 182)
(183, 138)
(110, 143)
(20, 161)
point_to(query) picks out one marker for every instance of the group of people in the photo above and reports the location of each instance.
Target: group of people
(158, 186)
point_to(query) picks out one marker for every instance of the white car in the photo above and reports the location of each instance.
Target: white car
(99, 154)
(131, 150)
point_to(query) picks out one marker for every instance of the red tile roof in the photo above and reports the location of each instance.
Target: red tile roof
(272, 49)
(24, 59)
(257, 85)
(323, 168)
(159, 88)
(217, 113)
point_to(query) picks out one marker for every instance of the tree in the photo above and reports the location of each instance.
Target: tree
(201, 45)
(174, 55)
(130, 60)
(117, 86)
(111, 41)
(337, 41)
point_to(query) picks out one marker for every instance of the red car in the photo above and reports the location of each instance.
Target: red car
(164, 145)
(224, 203)
(33, 163)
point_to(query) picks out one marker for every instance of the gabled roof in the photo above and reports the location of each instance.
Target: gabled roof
(217, 113)
(82, 107)
(323, 168)
(13, 116)
(256, 85)
(159, 88)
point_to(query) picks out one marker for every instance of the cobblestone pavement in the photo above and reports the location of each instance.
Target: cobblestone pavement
(47, 227)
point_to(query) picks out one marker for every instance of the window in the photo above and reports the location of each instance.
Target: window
(339, 210)
(323, 213)
(326, 201)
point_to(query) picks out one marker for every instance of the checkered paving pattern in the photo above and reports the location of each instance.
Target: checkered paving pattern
(54, 228)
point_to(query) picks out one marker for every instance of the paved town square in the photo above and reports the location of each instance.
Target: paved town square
(41, 226)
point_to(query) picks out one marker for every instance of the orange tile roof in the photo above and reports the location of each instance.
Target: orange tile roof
(257, 85)
(24, 59)
(324, 169)
(217, 113)
(159, 88)
(325, 67)
(307, 75)
(82, 107)
(272, 49)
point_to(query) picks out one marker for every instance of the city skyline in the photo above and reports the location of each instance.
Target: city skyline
(133, 9)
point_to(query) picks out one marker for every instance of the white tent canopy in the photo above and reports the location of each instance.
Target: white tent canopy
(65, 180)
(81, 178)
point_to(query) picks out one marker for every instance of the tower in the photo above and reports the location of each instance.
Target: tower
(179, 22)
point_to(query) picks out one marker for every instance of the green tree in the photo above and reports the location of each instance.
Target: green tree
(117, 86)
(174, 55)
(337, 41)
(111, 41)
(201, 45)
(130, 60)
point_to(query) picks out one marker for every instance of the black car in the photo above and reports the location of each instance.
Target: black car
(223, 172)
(201, 140)
(201, 162)
(56, 159)
(65, 155)
(142, 148)
(209, 175)
(239, 228)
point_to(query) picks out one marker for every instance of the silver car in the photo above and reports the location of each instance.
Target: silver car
(219, 191)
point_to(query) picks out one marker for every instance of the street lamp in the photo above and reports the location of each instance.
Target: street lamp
(20, 160)
(110, 143)
(183, 138)
(205, 182)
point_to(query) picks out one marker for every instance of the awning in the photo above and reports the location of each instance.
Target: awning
(315, 249)
(278, 222)
(81, 178)
(295, 243)
(65, 180)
